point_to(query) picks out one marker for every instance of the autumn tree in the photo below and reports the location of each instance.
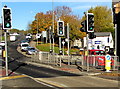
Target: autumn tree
(102, 18)
(65, 13)
(43, 21)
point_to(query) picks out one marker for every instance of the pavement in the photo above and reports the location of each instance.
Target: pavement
(21, 80)
(113, 75)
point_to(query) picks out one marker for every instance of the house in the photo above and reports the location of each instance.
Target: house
(103, 41)
(77, 43)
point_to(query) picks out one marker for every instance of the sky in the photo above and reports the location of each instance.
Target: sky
(23, 12)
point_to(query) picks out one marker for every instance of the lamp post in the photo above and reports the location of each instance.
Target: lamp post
(53, 24)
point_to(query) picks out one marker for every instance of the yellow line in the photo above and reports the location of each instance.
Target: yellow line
(12, 77)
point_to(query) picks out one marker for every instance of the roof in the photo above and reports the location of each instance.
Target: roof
(115, 2)
(102, 33)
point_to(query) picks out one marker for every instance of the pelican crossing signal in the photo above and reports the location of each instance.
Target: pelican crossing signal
(90, 22)
(84, 26)
(6, 17)
(60, 28)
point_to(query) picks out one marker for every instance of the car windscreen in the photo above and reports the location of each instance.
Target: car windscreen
(31, 48)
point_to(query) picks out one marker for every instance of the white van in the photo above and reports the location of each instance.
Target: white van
(12, 38)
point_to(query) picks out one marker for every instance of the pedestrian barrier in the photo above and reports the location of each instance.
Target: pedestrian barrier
(89, 62)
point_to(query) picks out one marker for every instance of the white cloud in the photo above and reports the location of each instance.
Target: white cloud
(81, 7)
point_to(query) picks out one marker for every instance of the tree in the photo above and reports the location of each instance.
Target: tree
(102, 18)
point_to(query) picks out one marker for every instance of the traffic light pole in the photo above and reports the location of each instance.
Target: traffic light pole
(6, 54)
(87, 44)
(87, 53)
(115, 39)
(59, 43)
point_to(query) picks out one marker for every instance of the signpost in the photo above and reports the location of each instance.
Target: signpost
(63, 42)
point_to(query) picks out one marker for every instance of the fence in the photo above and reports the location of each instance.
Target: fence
(89, 62)
(98, 61)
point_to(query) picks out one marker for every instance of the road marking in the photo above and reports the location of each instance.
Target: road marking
(12, 77)
(44, 82)
(51, 82)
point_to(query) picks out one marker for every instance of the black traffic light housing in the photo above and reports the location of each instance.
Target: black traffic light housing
(84, 26)
(91, 35)
(90, 22)
(60, 28)
(6, 15)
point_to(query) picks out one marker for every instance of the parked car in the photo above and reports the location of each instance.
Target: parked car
(24, 46)
(0, 50)
(2, 43)
(28, 36)
(24, 41)
(31, 51)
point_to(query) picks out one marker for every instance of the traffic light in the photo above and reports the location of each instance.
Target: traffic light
(84, 26)
(60, 28)
(6, 15)
(90, 23)
(91, 35)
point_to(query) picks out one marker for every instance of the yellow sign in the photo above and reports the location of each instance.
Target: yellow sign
(4, 53)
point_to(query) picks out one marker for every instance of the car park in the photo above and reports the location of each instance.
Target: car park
(31, 51)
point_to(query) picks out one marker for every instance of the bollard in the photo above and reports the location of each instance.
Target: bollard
(108, 63)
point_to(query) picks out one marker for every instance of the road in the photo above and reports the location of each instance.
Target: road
(52, 76)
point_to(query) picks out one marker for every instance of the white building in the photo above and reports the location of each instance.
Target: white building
(102, 41)
(77, 43)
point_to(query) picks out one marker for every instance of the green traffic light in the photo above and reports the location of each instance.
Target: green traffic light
(91, 28)
(7, 25)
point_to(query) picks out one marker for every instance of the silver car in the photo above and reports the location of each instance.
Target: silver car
(31, 51)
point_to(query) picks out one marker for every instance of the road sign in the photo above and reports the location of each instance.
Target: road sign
(108, 63)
